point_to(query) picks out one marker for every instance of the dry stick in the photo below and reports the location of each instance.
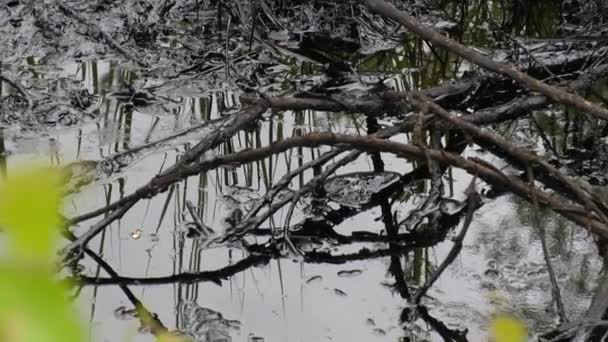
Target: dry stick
(375, 104)
(228, 128)
(522, 105)
(198, 223)
(284, 181)
(555, 292)
(473, 203)
(167, 177)
(484, 116)
(226, 52)
(181, 171)
(146, 318)
(519, 154)
(245, 226)
(253, 221)
(490, 175)
(20, 89)
(116, 159)
(237, 121)
(250, 113)
(97, 228)
(531, 56)
(175, 174)
(288, 243)
(327, 156)
(429, 34)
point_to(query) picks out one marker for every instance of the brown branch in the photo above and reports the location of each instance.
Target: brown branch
(77, 244)
(509, 111)
(589, 200)
(252, 113)
(490, 175)
(173, 174)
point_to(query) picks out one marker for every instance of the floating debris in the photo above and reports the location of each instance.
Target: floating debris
(205, 324)
(358, 188)
(136, 234)
(79, 174)
(491, 273)
(154, 237)
(379, 332)
(314, 279)
(254, 338)
(125, 314)
(349, 273)
(340, 293)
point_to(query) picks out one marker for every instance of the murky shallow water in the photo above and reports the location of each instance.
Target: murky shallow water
(500, 268)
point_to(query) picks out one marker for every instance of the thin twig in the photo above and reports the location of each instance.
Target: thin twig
(555, 291)
(201, 227)
(473, 202)
(20, 89)
(590, 200)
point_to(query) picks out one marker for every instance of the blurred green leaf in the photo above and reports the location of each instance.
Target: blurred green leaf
(29, 205)
(34, 307)
(168, 337)
(505, 328)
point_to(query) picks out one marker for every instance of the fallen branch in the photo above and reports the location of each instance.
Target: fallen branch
(554, 93)
(498, 114)
(229, 128)
(522, 157)
(489, 174)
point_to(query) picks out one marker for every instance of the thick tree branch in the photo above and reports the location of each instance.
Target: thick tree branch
(554, 93)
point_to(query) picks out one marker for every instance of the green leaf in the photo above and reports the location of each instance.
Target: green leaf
(169, 337)
(29, 205)
(508, 329)
(34, 308)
